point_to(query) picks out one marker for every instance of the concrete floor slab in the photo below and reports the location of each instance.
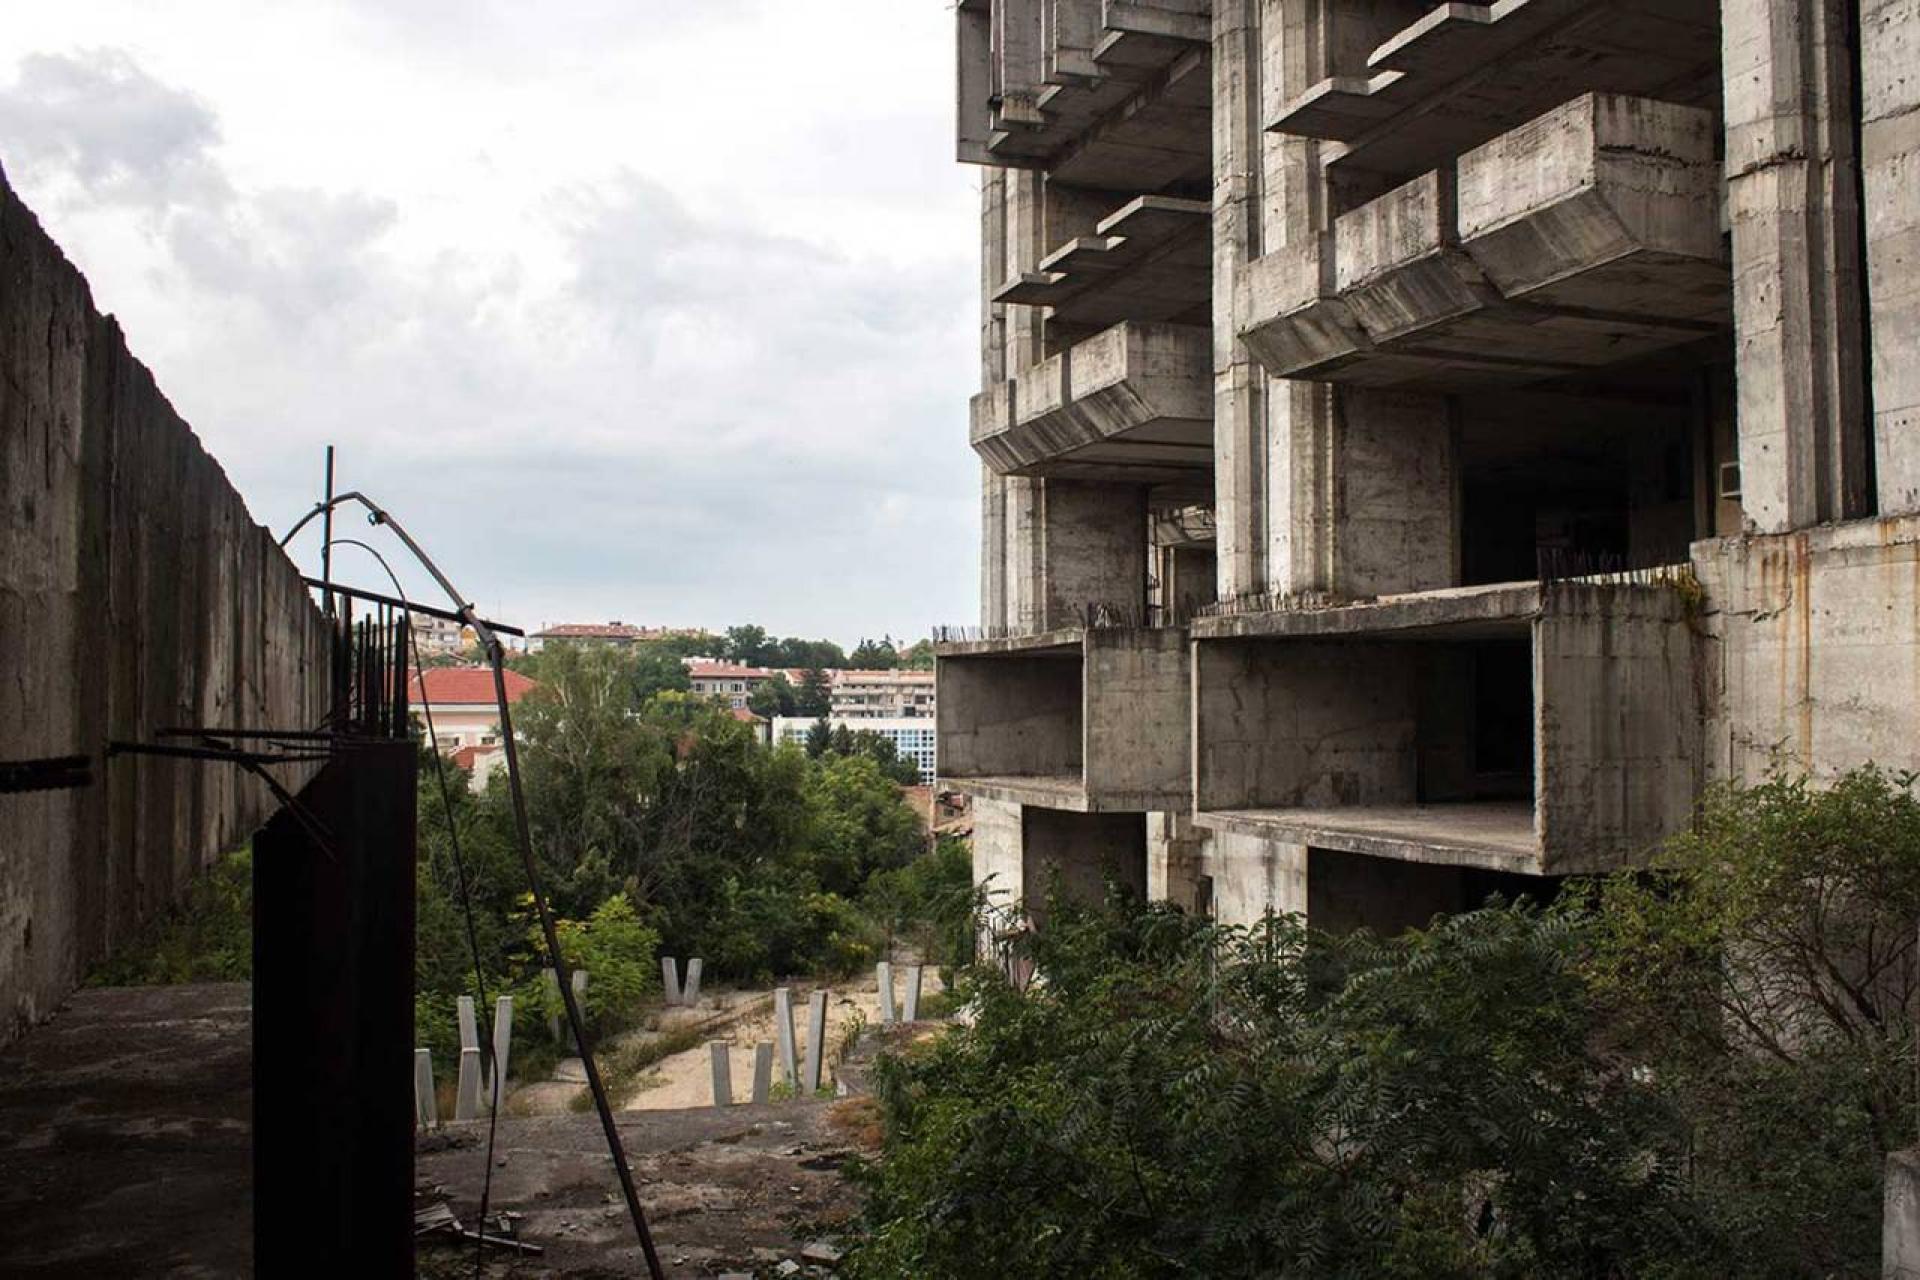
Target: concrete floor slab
(1496, 835)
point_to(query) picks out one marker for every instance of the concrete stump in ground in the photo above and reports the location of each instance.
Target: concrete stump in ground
(670, 980)
(722, 1072)
(691, 996)
(883, 976)
(911, 1011)
(496, 1084)
(466, 1098)
(783, 1034)
(426, 1107)
(762, 1071)
(816, 1039)
(555, 1018)
(469, 1024)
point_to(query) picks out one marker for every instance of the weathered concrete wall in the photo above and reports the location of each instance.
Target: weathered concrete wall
(996, 850)
(136, 593)
(1252, 876)
(1176, 851)
(1137, 693)
(1617, 724)
(1812, 648)
(1890, 147)
(1303, 724)
(1009, 714)
(1085, 850)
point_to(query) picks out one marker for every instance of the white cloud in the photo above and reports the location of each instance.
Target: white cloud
(626, 316)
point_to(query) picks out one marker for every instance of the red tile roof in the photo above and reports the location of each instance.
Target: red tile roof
(746, 716)
(727, 671)
(465, 686)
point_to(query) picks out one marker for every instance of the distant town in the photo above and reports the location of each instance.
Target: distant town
(788, 689)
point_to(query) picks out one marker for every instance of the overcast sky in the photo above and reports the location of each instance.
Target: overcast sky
(659, 310)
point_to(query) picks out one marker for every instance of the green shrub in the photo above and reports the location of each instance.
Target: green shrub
(207, 938)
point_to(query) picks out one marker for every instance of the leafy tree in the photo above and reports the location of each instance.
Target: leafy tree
(1184, 1099)
(819, 738)
(858, 823)
(748, 645)
(775, 697)
(815, 695)
(655, 668)
(795, 652)
(874, 655)
(919, 657)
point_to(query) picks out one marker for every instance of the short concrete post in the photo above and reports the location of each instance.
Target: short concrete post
(553, 1003)
(762, 1071)
(691, 996)
(783, 1034)
(502, 1049)
(670, 980)
(722, 1073)
(816, 1039)
(466, 1098)
(580, 992)
(426, 1107)
(911, 1013)
(469, 1025)
(883, 976)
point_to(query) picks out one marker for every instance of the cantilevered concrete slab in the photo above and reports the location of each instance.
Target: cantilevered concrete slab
(1090, 720)
(1464, 73)
(1587, 238)
(1104, 93)
(1148, 260)
(1134, 403)
(1538, 729)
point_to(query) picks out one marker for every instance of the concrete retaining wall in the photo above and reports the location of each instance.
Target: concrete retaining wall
(136, 593)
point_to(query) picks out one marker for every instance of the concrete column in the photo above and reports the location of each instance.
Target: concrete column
(426, 1106)
(993, 549)
(578, 979)
(1092, 549)
(1796, 255)
(910, 1011)
(1890, 145)
(554, 1019)
(670, 980)
(720, 1053)
(1900, 1216)
(783, 1034)
(762, 1072)
(466, 1098)
(883, 978)
(691, 996)
(816, 1040)
(1175, 849)
(1025, 581)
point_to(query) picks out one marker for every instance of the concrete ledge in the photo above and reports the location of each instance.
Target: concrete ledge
(1131, 404)
(1457, 608)
(1492, 835)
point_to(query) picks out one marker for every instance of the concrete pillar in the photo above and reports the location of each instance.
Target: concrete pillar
(783, 1034)
(466, 1098)
(1175, 850)
(883, 978)
(722, 1060)
(1395, 493)
(670, 980)
(1900, 1217)
(426, 1106)
(502, 1048)
(469, 1024)
(554, 1019)
(910, 1011)
(1796, 262)
(1093, 550)
(762, 1072)
(993, 549)
(816, 1040)
(1890, 146)
(691, 996)
(579, 982)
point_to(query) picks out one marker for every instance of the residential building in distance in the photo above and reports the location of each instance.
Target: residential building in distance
(1423, 445)
(438, 636)
(912, 736)
(620, 635)
(880, 695)
(732, 683)
(465, 713)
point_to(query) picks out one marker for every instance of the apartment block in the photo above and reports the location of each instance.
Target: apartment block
(1423, 445)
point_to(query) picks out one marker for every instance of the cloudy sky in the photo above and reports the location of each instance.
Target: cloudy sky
(659, 310)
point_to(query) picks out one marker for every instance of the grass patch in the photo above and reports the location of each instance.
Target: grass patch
(208, 937)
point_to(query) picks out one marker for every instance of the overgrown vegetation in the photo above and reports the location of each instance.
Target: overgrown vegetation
(1692, 1072)
(207, 938)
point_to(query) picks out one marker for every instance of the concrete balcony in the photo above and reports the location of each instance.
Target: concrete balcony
(1134, 403)
(1587, 238)
(1465, 72)
(1102, 93)
(1151, 259)
(1540, 730)
(1087, 720)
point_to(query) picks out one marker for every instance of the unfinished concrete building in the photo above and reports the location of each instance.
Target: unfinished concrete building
(1424, 444)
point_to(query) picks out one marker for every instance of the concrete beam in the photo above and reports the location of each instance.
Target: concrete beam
(1890, 143)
